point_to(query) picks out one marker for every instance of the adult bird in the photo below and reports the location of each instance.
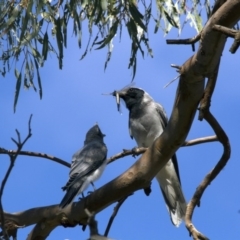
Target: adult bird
(147, 120)
(87, 165)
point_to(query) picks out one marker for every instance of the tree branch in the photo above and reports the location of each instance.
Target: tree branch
(13, 158)
(227, 31)
(191, 41)
(204, 113)
(230, 33)
(137, 151)
(35, 154)
(209, 177)
(200, 141)
(115, 211)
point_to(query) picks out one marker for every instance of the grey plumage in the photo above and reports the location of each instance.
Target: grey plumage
(147, 120)
(87, 165)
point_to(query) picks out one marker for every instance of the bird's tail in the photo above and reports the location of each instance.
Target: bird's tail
(71, 193)
(173, 195)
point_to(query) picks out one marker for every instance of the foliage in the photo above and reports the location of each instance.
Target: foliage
(26, 27)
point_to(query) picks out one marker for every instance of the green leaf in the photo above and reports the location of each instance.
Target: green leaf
(29, 74)
(45, 46)
(36, 55)
(30, 36)
(64, 25)
(59, 41)
(137, 16)
(39, 79)
(170, 20)
(14, 14)
(18, 85)
(110, 36)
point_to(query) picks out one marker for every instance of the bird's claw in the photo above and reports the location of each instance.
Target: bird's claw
(134, 152)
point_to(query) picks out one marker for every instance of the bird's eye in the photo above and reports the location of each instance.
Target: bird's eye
(131, 90)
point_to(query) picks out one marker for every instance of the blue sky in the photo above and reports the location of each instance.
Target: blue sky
(73, 102)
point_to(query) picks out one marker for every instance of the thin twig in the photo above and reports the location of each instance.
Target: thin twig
(135, 152)
(200, 140)
(35, 154)
(191, 41)
(115, 211)
(12, 161)
(140, 150)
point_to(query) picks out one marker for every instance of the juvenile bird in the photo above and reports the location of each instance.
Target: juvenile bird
(147, 120)
(87, 165)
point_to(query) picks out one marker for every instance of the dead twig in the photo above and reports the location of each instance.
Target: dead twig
(191, 41)
(115, 211)
(35, 154)
(13, 158)
(200, 141)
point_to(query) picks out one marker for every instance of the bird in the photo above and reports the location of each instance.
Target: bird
(147, 120)
(87, 165)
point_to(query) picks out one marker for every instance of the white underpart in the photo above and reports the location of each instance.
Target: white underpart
(92, 178)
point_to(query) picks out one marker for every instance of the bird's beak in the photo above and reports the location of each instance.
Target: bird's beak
(118, 95)
(104, 135)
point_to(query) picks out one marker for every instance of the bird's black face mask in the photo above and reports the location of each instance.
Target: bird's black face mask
(130, 96)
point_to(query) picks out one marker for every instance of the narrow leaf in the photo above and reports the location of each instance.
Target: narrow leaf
(137, 16)
(39, 79)
(45, 46)
(18, 85)
(111, 34)
(59, 41)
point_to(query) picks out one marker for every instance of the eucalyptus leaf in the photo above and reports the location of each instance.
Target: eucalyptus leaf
(110, 36)
(45, 46)
(17, 89)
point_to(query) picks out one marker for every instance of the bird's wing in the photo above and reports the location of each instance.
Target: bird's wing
(87, 160)
(129, 127)
(162, 114)
(164, 121)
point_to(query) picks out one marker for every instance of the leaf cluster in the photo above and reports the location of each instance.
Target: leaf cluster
(30, 30)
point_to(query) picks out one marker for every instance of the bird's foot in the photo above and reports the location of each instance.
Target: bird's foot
(135, 152)
(81, 198)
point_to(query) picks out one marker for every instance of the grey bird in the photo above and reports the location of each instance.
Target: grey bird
(147, 120)
(87, 165)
